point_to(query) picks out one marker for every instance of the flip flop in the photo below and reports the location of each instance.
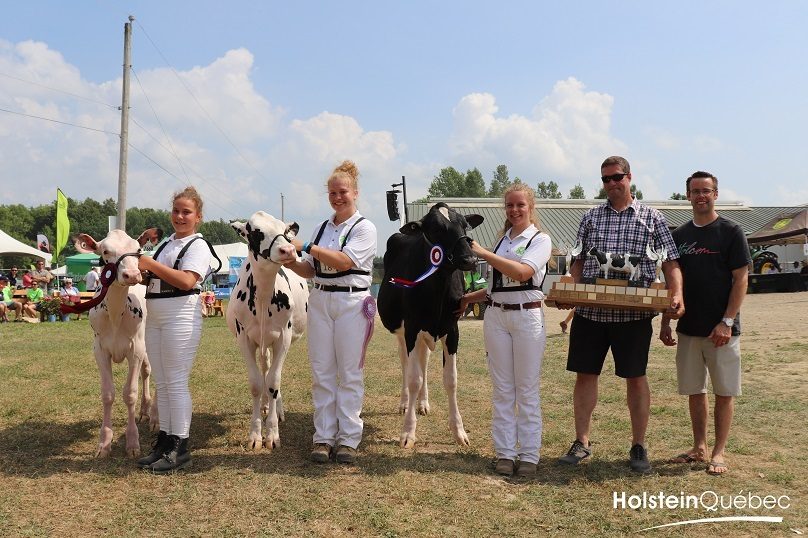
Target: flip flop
(711, 468)
(685, 457)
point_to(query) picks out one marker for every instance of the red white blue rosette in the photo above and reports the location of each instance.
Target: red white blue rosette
(435, 259)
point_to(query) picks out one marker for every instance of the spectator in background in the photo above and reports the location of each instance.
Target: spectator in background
(42, 277)
(93, 278)
(70, 294)
(27, 279)
(12, 277)
(8, 302)
(34, 298)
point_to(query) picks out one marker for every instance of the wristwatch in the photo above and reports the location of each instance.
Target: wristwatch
(729, 322)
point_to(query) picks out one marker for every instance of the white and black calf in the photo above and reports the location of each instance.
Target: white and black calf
(618, 263)
(424, 313)
(266, 313)
(119, 325)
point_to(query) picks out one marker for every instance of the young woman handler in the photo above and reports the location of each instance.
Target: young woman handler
(174, 328)
(340, 259)
(514, 332)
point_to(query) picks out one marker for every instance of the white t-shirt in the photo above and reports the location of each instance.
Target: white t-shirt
(536, 256)
(196, 258)
(360, 248)
(92, 279)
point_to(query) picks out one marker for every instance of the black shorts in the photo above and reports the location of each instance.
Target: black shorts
(591, 340)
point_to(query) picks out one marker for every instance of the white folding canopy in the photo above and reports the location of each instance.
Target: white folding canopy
(9, 245)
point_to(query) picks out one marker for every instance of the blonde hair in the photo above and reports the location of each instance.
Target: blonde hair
(191, 194)
(530, 194)
(347, 170)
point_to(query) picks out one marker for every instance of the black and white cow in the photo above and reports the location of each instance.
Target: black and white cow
(619, 263)
(267, 312)
(423, 313)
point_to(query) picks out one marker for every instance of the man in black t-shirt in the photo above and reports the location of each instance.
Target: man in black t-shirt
(714, 257)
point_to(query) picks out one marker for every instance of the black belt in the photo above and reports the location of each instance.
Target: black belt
(514, 306)
(347, 289)
(176, 293)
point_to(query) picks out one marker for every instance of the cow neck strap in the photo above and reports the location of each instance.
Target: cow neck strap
(435, 260)
(108, 276)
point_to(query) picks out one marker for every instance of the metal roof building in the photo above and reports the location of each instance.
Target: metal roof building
(560, 218)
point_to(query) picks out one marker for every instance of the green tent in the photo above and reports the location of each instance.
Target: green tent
(78, 265)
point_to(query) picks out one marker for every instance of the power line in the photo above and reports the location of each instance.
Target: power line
(157, 118)
(115, 107)
(59, 121)
(188, 89)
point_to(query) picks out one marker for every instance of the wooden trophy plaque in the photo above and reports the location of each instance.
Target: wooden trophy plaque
(609, 293)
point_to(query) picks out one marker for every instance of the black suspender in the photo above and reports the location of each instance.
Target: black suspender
(318, 271)
(166, 289)
(526, 285)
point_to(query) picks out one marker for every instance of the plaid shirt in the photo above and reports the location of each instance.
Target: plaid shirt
(628, 231)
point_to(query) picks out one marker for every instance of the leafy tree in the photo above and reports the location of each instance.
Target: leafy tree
(448, 183)
(548, 190)
(475, 184)
(500, 182)
(678, 196)
(219, 232)
(577, 193)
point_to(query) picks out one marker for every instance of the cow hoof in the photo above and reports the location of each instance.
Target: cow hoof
(271, 444)
(133, 452)
(254, 442)
(154, 426)
(423, 407)
(462, 439)
(407, 440)
(402, 409)
(103, 451)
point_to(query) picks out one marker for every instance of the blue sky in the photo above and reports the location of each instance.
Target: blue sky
(403, 88)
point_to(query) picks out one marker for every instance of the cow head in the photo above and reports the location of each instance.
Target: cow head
(268, 237)
(447, 228)
(116, 248)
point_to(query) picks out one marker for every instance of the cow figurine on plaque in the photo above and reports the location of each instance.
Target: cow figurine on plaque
(613, 293)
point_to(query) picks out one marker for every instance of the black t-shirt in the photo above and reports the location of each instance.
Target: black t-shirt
(707, 256)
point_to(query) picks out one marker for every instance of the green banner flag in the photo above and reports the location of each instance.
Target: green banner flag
(62, 224)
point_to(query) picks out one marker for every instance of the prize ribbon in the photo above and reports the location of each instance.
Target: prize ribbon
(369, 311)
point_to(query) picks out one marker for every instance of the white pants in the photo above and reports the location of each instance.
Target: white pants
(336, 331)
(515, 341)
(173, 331)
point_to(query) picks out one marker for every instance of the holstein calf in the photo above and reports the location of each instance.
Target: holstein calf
(420, 292)
(267, 312)
(118, 319)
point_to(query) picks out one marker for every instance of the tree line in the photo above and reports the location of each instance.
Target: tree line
(91, 217)
(451, 183)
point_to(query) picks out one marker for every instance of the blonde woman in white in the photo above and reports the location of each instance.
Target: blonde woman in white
(514, 332)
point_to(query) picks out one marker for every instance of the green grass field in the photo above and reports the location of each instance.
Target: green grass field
(50, 483)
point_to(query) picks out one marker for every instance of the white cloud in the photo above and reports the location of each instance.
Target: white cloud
(565, 137)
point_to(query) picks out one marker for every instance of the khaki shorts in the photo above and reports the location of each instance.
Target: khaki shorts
(696, 356)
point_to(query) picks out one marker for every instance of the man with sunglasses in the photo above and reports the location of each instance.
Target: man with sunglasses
(714, 256)
(621, 225)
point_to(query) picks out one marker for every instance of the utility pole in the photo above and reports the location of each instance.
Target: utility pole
(283, 218)
(127, 65)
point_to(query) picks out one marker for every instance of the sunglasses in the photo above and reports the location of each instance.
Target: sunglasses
(613, 177)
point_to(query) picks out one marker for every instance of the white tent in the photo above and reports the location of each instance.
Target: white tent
(225, 251)
(9, 245)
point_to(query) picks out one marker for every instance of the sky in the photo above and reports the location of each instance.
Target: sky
(248, 100)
